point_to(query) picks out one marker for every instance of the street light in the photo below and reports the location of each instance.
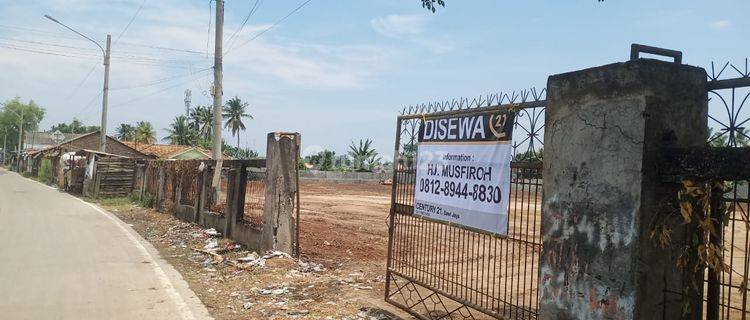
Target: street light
(106, 54)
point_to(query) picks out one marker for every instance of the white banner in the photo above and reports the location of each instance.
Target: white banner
(466, 183)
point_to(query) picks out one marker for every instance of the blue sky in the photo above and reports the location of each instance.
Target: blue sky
(336, 71)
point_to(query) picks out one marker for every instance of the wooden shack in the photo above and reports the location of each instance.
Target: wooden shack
(107, 175)
(89, 141)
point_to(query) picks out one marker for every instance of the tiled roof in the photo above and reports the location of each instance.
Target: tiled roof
(164, 151)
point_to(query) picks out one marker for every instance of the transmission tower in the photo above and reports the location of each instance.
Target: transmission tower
(188, 98)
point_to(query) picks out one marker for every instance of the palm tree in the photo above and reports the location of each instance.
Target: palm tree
(180, 132)
(144, 132)
(363, 154)
(234, 111)
(202, 119)
(126, 132)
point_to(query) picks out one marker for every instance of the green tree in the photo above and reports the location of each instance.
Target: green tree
(364, 156)
(10, 119)
(144, 132)
(234, 111)
(323, 160)
(75, 126)
(738, 138)
(410, 150)
(238, 153)
(530, 155)
(202, 119)
(126, 132)
(181, 133)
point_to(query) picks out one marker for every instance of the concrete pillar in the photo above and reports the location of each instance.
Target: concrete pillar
(279, 214)
(605, 129)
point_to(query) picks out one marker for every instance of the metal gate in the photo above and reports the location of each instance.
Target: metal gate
(440, 271)
(726, 293)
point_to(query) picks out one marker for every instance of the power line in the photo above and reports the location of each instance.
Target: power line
(130, 22)
(88, 49)
(72, 93)
(56, 35)
(33, 50)
(208, 37)
(162, 48)
(45, 48)
(274, 25)
(88, 105)
(162, 80)
(150, 94)
(253, 9)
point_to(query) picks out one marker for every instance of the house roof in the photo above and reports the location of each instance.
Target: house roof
(46, 139)
(68, 141)
(165, 151)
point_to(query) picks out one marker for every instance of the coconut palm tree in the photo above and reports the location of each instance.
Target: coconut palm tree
(202, 119)
(234, 111)
(180, 132)
(364, 156)
(144, 132)
(126, 132)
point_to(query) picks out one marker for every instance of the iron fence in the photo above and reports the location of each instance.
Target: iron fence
(442, 271)
(255, 196)
(726, 293)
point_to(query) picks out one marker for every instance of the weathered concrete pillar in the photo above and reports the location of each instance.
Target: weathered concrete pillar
(605, 129)
(279, 214)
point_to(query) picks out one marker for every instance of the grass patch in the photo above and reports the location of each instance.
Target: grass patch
(30, 176)
(146, 201)
(120, 202)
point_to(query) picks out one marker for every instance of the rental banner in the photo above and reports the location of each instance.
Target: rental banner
(463, 171)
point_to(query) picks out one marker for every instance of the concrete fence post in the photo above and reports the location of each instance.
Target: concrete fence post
(233, 190)
(160, 185)
(279, 214)
(605, 130)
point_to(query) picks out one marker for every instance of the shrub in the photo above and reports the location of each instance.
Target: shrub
(45, 172)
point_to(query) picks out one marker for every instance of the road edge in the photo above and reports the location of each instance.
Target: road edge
(187, 302)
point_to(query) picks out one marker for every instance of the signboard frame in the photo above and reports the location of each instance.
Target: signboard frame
(448, 128)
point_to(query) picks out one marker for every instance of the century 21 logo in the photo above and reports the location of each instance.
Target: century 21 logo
(497, 124)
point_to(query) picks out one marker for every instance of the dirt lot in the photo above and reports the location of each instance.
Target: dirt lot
(345, 223)
(340, 274)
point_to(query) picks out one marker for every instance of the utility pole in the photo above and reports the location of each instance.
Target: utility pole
(218, 88)
(20, 142)
(103, 143)
(105, 94)
(5, 143)
(188, 99)
(218, 91)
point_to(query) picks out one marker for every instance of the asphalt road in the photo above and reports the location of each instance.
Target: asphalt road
(61, 258)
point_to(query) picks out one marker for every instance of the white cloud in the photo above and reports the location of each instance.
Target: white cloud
(720, 24)
(397, 25)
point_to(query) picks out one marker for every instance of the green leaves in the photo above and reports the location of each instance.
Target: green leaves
(431, 4)
(233, 112)
(181, 133)
(365, 157)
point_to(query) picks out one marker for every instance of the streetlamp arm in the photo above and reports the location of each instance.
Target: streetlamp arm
(78, 33)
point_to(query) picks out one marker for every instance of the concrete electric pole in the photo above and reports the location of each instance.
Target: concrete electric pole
(103, 131)
(105, 53)
(20, 142)
(217, 89)
(5, 143)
